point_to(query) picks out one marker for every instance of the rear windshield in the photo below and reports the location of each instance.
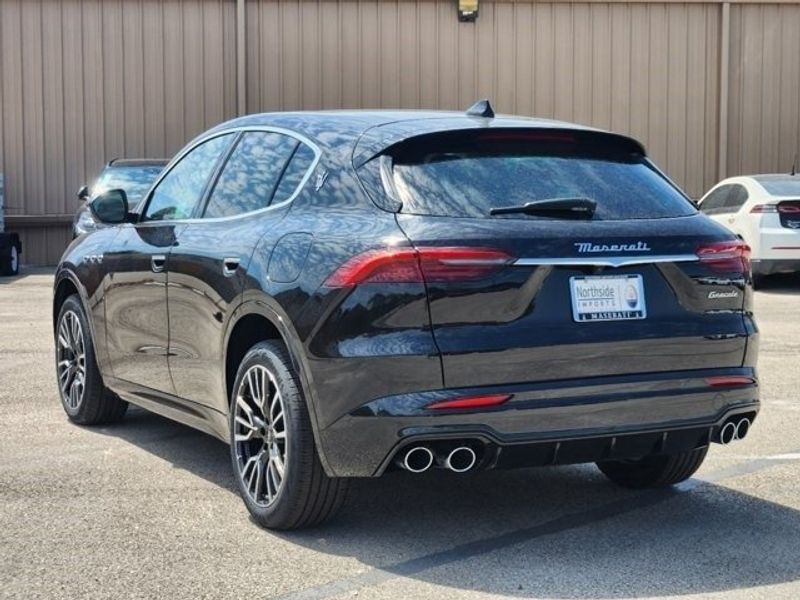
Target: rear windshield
(467, 174)
(781, 187)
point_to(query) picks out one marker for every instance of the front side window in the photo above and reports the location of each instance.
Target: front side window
(252, 174)
(178, 193)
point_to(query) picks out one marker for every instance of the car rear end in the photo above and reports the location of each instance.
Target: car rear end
(563, 336)
(775, 227)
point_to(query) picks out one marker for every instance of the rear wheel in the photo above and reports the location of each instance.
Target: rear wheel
(278, 471)
(9, 262)
(654, 471)
(83, 395)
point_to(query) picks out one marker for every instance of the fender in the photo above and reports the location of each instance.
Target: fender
(266, 307)
(65, 273)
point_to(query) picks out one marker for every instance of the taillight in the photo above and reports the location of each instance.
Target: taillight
(729, 381)
(759, 209)
(410, 265)
(789, 209)
(727, 257)
(465, 402)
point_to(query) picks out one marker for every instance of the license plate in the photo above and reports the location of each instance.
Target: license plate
(607, 298)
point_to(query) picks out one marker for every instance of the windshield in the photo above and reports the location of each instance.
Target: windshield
(469, 174)
(136, 181)
(781, 187)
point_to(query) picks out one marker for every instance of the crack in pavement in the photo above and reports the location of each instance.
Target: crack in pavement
(378, 575)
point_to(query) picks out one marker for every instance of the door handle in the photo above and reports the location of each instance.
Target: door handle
(157, 262)
(229, 266)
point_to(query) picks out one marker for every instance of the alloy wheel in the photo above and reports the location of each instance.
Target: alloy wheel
(71, 360)
(260, 435)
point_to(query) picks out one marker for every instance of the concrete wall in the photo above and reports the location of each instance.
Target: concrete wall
(83, 81)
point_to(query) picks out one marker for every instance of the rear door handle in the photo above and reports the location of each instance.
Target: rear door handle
(157, 262)
(229, 266)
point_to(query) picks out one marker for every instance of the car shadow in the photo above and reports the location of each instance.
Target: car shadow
(554, 532)
(27, 271)
(781, 284)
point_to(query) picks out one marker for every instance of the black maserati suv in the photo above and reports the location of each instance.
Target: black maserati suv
(341, 294)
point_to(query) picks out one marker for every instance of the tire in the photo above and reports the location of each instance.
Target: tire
(654, 471)
(758, 281)
(80, 385)
(9, 261)
(277, 443)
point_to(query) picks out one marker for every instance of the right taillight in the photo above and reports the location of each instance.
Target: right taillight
(760, 209)
(726, 257)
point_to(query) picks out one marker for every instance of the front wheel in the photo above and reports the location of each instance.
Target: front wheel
(278, 471)
(654, 471)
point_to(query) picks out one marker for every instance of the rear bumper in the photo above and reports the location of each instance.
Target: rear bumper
(776, 244)
(772, 266)
(551, 423)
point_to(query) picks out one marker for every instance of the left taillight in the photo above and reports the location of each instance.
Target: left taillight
(725, 257)
(417, 265)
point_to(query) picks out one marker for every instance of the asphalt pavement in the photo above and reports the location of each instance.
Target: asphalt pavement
(147, 508)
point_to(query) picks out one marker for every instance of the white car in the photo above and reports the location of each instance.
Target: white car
(764, 210)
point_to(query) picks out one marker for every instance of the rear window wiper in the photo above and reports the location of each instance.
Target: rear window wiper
(578, 208)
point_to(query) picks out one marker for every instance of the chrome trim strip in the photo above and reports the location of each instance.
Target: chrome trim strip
(604, 261)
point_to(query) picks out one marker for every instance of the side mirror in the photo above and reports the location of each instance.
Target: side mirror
(110, 207)
(83, 193)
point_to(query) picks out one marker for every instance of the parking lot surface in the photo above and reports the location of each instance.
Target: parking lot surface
(147, 508)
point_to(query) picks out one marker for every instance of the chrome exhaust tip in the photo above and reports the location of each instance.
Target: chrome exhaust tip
(742, 427)
(461, 459)
(417, 460)
(728, 433)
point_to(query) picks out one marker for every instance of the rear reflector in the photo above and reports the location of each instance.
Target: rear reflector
(409, 265)
(727, 257)
(729, 381)
(485, 401)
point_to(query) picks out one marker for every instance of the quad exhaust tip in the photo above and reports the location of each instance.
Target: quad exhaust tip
(461, 459)
(742, 427)
(734, 430)
(417, 460)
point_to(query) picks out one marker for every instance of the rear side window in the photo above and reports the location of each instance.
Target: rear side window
(297, 168)
(250, 177)
(736, 199)
(714, 203)
(467, 174)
